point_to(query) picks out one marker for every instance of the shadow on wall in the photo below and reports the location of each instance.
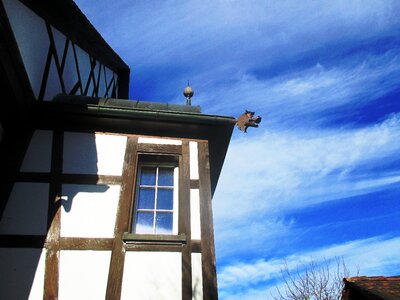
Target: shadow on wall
(23, 261)
(80, 157)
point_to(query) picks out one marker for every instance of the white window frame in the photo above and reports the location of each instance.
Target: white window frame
(175, 209)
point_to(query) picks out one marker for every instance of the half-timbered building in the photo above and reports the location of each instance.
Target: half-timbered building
(101, 198)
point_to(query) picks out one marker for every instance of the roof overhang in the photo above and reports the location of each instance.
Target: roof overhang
(111, 117)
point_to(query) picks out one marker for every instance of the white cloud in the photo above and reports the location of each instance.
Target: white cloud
(373, 256)
(218, 42)
(288, 170)
(299, 98)
(266, 177)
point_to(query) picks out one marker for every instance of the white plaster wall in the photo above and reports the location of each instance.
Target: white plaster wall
(152, 275)
(38, 156)
(89, 153)
(83, 274)
(145, 140)
(195, 214)
(194, 161)
(197, 277)
(89, 210)
(26, 209)
(22, 273)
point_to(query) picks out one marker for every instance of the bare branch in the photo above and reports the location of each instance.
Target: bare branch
(314, 281)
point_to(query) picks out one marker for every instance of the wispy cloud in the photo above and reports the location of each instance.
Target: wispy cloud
(300, 98)
(368, 255)
(297, 65)
(284, 167)
(216, 42)
(286, 171)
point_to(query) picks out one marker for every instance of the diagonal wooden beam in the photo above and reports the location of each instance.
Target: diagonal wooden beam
(114, 283)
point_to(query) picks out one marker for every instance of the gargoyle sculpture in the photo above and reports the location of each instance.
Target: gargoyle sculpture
(247, 120)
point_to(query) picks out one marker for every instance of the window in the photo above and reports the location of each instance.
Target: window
(156, 210)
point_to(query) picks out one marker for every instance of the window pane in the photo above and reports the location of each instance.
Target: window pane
(164, 223)
(165, 198)
(166, 176)
(148, 176)
(146, 198)
(144, 222)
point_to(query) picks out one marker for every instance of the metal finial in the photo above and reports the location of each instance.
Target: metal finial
(188, 93)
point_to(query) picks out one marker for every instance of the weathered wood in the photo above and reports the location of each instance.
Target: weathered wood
(77, 68)
(153, 247)
(74, 243)
(51, 275)
(68, 19)
(159, 148)
(114, 283)
(207, 229)
(54, 219)
(55, 56)
(45, 76)
(184, 220)
(194, 184)
(158, 238)
(196, 246)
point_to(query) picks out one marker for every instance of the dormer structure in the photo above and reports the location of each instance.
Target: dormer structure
(105, 198)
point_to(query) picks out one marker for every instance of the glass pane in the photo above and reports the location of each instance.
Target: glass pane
(146, 198)
(164, 223)
(165, 198)
(166, 176)
(148, 176)
(144, 222)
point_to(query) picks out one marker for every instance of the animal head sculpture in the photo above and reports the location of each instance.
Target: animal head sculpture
(247, 120)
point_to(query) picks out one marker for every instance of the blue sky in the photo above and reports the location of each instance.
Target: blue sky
(320, 178)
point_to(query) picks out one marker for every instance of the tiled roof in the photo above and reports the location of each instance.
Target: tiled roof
(378, 287)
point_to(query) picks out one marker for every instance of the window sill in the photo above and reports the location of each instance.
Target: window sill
(133, 238)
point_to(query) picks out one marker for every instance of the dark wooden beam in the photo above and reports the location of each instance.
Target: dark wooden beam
(196, 246)
(66, 16)
(207, 229)
(194, 184)
(184, 220)
(75, 243)
(157, 148)
(154, 238)
(153, 247)
(114, 283)
(54, 219)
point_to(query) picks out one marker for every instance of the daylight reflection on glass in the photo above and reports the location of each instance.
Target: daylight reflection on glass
(164, 223)
(144, 222)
